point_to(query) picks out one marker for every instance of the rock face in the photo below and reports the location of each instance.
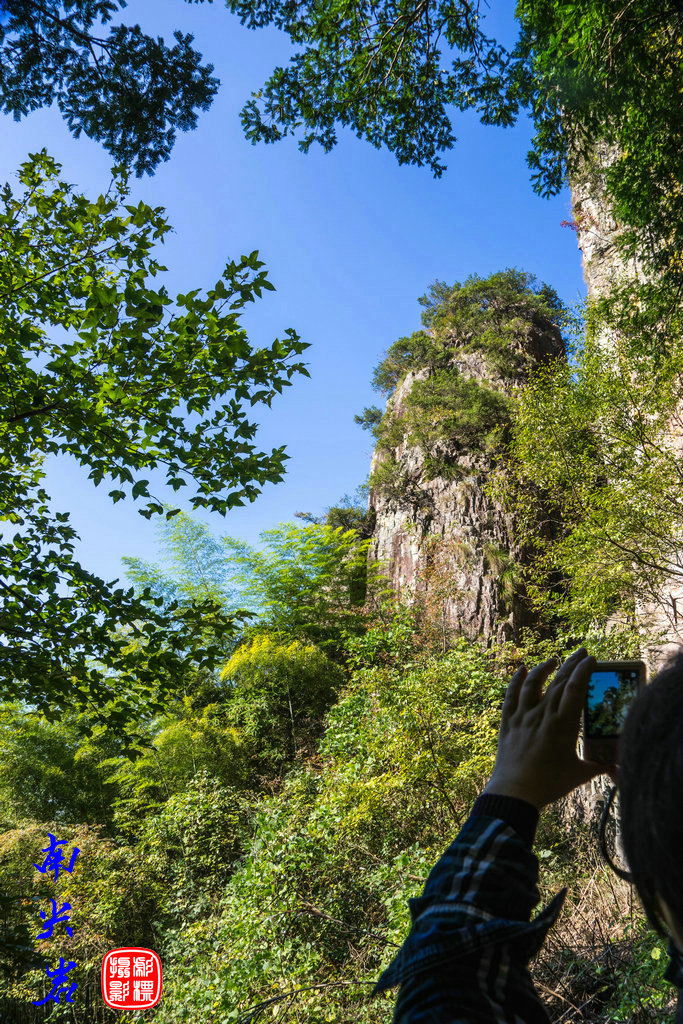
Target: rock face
(459, 513)
(603, 264)
(473, 533)
(596, 229)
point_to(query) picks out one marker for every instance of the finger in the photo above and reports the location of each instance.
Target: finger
(568, 700)
(566, 668)
(589, 770)
(512, 692)
(570, 663)
(530, 692)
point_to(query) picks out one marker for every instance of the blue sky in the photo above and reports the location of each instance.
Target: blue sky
(350, 240)
(600, 682)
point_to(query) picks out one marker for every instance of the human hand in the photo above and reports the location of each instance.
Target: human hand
(536, 759)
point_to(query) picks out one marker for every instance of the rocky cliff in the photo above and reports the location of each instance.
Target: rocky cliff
(597, 230)
(453, 510)
(603, 265)
(447, 514)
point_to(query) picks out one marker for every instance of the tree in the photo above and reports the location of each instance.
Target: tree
(450, 412)
(196, 565)
(350, 513)
(377, 67)
(177, 745)
(307, 582)
(483, 314)
(125, 89)
(586, 73)
(51, 774)
(278, 694)
(98, 363)
(611, 73)
(338, 851)
(595, 450)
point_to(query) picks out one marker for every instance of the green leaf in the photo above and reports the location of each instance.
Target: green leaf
(140, 488)
(116, 387)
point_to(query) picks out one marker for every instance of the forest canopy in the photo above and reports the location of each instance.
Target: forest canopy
(111, 82)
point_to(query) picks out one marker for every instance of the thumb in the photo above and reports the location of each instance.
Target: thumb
(593, 768)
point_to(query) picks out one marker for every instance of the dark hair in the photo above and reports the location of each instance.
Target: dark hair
(651, 792)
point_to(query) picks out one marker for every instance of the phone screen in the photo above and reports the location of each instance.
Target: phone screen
(609, 695)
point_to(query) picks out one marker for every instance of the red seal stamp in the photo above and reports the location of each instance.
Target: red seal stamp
(131, 978)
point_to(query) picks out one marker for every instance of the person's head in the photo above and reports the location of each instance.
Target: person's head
(651, 798)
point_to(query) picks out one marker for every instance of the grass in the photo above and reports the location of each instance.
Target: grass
(600, 962)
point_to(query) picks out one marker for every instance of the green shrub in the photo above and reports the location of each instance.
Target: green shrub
(114, 900)
(457, 410)
(193, 842)
(391, 479)
(370, 419)
(279, 693)
(445, 416)
(321, 895)
(491, 315)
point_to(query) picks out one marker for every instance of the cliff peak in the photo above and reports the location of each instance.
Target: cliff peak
(438, 534)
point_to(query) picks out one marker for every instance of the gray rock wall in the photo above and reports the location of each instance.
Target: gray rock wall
(603, 265)
(457, 512)
(597, 230)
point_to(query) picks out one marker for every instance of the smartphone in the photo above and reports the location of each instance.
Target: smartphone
(611, 688)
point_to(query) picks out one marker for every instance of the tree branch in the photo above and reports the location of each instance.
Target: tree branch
(33, 412)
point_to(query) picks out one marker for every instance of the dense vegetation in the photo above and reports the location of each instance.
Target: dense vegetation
(276, 819)
(594, 450)
(451, 407)
(260, 754)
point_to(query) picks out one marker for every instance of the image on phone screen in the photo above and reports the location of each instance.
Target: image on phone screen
(608, 699)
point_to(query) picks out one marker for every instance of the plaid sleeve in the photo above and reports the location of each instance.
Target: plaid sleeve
(466, 956)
